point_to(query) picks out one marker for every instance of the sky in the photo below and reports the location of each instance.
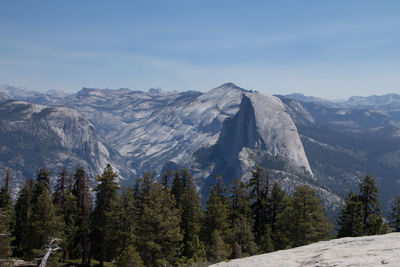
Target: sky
(330, 49)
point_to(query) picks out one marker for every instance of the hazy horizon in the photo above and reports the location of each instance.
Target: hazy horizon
(200, 90)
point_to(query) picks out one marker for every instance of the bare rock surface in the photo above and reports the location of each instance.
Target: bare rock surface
(379, 250)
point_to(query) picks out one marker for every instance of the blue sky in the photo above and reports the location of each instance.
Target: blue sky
(331, 49)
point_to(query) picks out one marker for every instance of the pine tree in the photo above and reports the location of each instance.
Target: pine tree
(278, 201)
(217, 247)
(44, 223)
(66, 206)
(42, 183)
(6, 209)
(61, 189)
(351, 217)
(189, 204)
(395, 215)
(303, 221)
(23, 211)
(82, 201)
(216, 221)
(107, 199)
(240, 232)
(157, 232)
(197, 250)
(125, 221)
(129, 257)
(70, 214)
(259, 193)
(372, 218)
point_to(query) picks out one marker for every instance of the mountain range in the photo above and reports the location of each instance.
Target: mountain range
(225, 131)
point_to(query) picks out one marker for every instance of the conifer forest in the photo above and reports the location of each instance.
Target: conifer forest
(162, 220)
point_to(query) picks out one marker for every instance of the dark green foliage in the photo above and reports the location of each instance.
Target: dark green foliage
(241, 224)
(372, 219)
(278, 201)
(395, 215)
(303, 221)
(189, 204)
(61, 189)
(129, 258)
(259, 195)
(6, 212)
(43, 222)
(351, 217)
(162, 223)
(82, 199)
(217, 250)
(107, 199)
(36, 221)
(23, 211)
(196, 249)
(157, 232)
(216, 221)
(124, 221)
(42, 184)
(66, 207)
(361, 214)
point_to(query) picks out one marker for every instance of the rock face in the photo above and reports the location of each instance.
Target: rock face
(34, 136)
(380, 250)
(225, 131)
(343, 143)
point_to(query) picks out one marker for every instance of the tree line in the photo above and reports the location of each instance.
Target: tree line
(161, 222)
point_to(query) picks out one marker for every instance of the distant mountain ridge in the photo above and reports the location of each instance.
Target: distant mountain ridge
(352, 102)
(225, 131)
(35, 136)
(228, 130)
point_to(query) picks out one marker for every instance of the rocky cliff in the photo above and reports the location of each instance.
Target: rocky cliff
(34, 136)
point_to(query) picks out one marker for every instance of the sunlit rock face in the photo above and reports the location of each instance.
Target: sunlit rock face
(226, 131)
(380, 250)
(37, 136)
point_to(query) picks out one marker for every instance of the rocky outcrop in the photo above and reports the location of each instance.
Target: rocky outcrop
(36, 136)
(379, 250)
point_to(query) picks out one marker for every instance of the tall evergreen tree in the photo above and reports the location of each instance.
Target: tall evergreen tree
(278, 201)
(42, 183)
(189, 203)
(107, 199)
(157, 232)
(44, 223)
(23, 211)
(372, 218)
(66, 207)
(241, 236)
(216, 221)
(303, 221)
(259, 186)
(217, 248)
(394, 217)
(61, 189)
(351, 217)
(6, 210)
(81, 195)
(125, 221)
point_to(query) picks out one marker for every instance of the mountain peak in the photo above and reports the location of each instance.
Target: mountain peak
(230, 85)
